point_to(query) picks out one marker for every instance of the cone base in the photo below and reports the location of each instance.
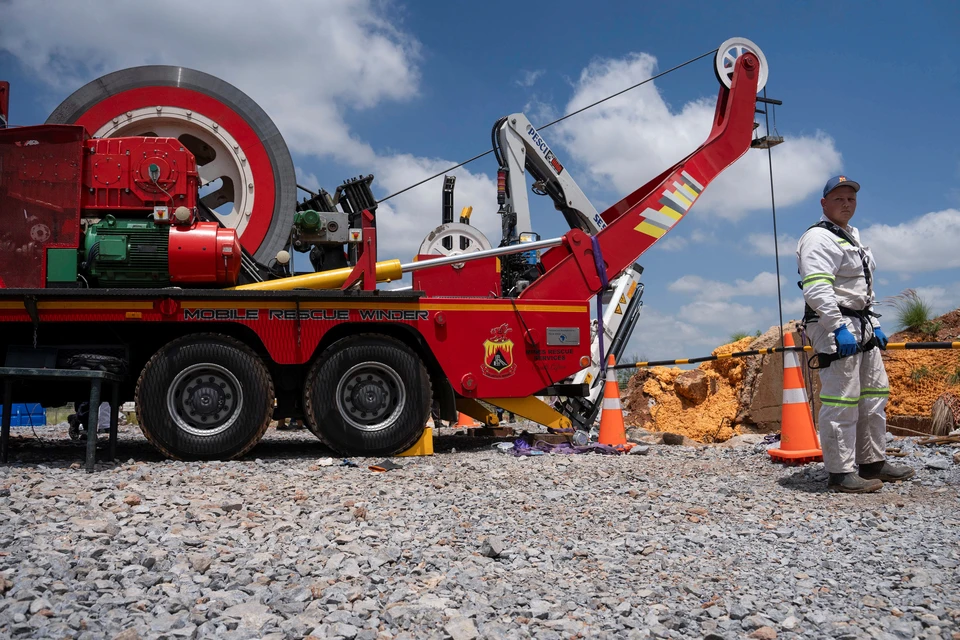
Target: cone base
(796, 457)
(467, 422)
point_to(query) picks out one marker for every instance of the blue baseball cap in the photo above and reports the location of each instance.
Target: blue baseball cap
(839, 181)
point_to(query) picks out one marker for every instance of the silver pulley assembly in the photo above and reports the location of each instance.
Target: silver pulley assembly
(463, 239)
(726, 59)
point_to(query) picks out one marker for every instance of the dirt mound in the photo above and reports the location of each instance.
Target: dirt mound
(724, 398)
(700, 404)
(918, 378)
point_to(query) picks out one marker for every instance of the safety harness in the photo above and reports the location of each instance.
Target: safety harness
(823, 360)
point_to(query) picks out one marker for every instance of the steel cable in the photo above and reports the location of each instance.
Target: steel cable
(773, 207)
(549, 124)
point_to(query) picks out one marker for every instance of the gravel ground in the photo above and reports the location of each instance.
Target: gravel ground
(471, 543)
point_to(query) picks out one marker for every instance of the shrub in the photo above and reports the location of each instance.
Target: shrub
(624, 375)
(913, 312)
(739, 335)
(920, 373)
(931, 328)
(954, 378)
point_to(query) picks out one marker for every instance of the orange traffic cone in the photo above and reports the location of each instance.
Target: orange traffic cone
(612, 431)
(466, 422)
(798, 437)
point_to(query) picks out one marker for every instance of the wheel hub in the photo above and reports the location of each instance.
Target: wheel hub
(726, 59)
(370, 396)
(205, 399)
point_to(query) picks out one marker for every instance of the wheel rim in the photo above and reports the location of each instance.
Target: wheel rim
(452, 233)
(219, 157)
(233, 138)
(726, 60)
(205, 399)
(371, 396)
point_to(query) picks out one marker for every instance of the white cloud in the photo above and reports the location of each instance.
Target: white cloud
(678, 242)
(763, 284)
(540, 111)
(629, 139)
(529, 78)
(925, 243)
(702, 326)
(761, 244)
(934, 295)
(793, 308)
(672, 243)
(724, 315)
(940, 298)
(662, 336)
(404, 221)
(305, 63)
(307, 179)
(700, 236)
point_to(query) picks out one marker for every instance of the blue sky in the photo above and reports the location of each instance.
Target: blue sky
(404, 90)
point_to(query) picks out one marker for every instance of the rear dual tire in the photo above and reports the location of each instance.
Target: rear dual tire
(205, 396)
(367, 395)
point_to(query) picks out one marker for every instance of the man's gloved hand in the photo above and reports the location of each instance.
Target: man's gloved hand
(881, 337)
(846, 343)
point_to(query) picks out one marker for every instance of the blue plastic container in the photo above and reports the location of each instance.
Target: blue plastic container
(26, 415)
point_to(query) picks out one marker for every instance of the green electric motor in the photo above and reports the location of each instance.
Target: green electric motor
(309, 221)
(125, 252)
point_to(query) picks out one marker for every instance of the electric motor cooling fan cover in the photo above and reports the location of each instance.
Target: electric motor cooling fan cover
(232, 138)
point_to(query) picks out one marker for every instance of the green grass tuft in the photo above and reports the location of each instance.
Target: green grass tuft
(913, 312)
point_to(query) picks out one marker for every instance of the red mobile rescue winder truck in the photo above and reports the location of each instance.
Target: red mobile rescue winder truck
(147, 229)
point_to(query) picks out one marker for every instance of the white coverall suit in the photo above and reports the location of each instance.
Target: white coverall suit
(854, 390)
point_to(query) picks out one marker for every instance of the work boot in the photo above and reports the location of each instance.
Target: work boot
(852, 483)
(885, 471)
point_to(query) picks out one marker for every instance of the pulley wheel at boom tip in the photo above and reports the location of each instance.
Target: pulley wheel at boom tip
(726, 59)
(233, 139)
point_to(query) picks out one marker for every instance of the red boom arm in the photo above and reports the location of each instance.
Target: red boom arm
(644, 216)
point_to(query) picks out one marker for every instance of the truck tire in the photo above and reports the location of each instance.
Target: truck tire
(204, 396)
(367, 395)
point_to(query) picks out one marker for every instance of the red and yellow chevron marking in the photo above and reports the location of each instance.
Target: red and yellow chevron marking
(674, 202)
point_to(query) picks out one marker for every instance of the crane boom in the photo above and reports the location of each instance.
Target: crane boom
(641, 218)
(526, 152)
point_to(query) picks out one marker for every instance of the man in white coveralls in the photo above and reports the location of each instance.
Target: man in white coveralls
(837, 279)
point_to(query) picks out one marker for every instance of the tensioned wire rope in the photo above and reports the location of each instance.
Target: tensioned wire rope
(808, 378)
(550, 124)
